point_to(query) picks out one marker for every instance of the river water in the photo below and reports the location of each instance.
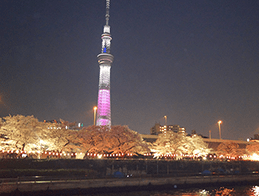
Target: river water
(208, 191)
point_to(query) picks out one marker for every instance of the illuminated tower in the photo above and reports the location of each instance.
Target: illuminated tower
(105, 60)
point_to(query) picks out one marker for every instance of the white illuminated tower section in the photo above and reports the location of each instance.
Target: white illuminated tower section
(105, 60)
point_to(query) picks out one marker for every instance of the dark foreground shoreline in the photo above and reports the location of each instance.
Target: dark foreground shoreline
(90, 176)
(121, 190)
(93, 186)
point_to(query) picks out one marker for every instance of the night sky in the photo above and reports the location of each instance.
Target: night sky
(195, 61)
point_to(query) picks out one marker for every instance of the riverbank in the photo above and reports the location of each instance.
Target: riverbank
(55, 187)
(101, 168)
(32, 175)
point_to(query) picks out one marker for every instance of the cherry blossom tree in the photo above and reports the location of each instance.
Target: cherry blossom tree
(85, 139)
(102, 139)
(169, 143)
(59, 134)
(252, 147)
(177, 144)
(23, 132)
(127, 141)
(228, 149)
(27, 133)
(198, 146)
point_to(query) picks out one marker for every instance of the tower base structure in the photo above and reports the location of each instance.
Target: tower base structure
(104, 103)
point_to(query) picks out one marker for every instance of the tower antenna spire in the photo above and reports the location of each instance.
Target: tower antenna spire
(107, 12)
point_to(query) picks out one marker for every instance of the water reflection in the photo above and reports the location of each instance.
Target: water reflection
(224, 191)
(203, 192)
(210, 191)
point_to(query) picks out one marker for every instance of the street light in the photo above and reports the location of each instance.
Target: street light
(165, 120)
(219, 122)
(95, 108)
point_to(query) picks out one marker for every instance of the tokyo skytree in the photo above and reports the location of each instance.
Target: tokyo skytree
(105, 60)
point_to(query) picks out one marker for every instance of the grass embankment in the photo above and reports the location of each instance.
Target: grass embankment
(99, 168)
(12, 168)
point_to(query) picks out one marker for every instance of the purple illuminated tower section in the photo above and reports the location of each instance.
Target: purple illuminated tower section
(105, 60)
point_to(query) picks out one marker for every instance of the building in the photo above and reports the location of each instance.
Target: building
(60, 124)
(160, 129)
(105, 60)
(256, 137)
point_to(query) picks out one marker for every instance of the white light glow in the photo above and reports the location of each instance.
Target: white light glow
(256, 190)
(254, 157)
(203, 192)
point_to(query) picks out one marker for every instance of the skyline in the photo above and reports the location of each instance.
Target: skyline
(194, 62)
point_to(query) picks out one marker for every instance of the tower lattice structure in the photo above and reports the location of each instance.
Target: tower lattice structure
(105, 60)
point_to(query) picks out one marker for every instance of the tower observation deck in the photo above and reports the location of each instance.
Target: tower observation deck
(105, 60)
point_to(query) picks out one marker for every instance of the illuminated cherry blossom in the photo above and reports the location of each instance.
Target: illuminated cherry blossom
(178, 144)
